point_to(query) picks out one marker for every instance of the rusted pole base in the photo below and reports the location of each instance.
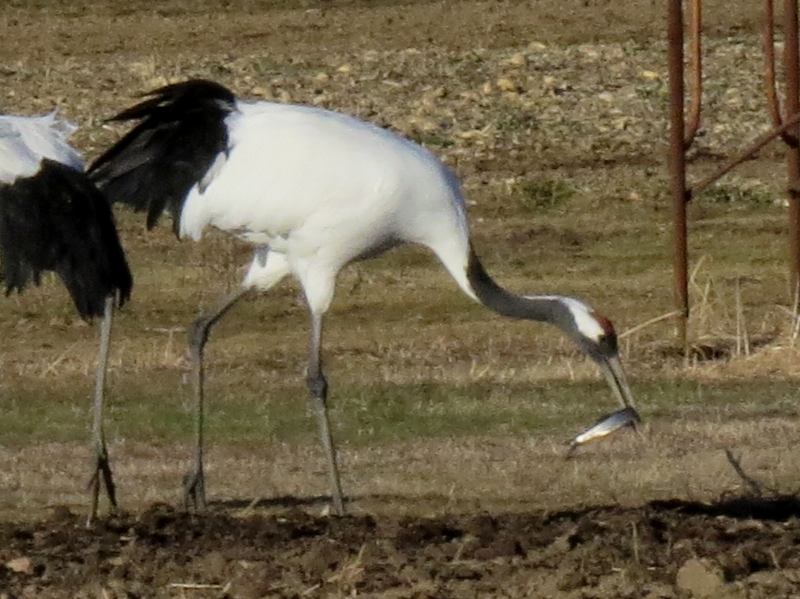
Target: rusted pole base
(677, 169)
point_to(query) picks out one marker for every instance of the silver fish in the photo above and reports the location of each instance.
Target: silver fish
(605, 426)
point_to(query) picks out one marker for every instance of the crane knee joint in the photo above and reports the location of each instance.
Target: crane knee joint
(318, 386)
(198, 334)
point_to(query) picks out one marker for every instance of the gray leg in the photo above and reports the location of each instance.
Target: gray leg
(101, 467)
(319, 396)
(194, 481)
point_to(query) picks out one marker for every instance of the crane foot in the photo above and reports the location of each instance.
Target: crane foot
(102, 472)
(194, 490)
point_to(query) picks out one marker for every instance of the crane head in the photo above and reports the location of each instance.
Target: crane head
(595, 335)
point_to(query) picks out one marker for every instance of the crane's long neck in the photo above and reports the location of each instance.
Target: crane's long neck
(494, 297)
(593, 334)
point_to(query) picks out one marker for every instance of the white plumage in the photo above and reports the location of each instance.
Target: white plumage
(25, 141)
(586, 321)
(290, 170)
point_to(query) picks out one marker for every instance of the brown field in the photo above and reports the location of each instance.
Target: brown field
(451, 422)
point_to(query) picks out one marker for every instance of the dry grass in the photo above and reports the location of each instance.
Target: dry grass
(684, 458)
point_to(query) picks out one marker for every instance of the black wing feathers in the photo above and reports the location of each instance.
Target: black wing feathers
(57, 220)
(181, 132)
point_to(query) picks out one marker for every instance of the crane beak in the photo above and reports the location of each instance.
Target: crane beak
(615, 375)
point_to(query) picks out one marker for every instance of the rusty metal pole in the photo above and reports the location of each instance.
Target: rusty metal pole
(695, 73)
(677, 168)
(791, 61)
(768, 41)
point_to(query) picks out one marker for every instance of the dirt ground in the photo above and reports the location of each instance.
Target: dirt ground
(734, 548)
(472, 80)
(737, 548)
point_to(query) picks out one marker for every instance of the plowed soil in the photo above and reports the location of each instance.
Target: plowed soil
(734, 548)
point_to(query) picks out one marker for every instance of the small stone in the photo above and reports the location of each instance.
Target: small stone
(260, 90)
(154, 82)
(518, 59)
(322, 77)
(650, 75)
(345, 68)
(590, 53)
(22, 565)
(621, 123)
(507, 85)
(487, 88)
(537, 46)
(605, 96)
(700, 578)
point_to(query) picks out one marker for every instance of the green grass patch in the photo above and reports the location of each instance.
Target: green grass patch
(737, 195)
(378, 413)
(545, 193)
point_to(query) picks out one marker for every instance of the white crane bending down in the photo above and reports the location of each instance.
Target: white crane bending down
(53, 218)
(313, 190)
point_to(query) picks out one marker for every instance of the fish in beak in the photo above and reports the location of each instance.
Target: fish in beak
(626, 416)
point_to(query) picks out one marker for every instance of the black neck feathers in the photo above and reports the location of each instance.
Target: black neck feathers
(506, 303)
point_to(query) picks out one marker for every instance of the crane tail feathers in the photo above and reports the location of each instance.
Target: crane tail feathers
(181, 131)
(57, 220)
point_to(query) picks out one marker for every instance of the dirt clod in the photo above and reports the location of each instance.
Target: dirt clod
(700, 578)
(22, 565)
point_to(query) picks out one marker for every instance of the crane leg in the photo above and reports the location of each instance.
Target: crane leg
(194, 481)
(318, 386)
(101, 467)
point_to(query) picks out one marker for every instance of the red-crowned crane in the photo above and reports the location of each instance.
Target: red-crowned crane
(312, 190)
(52, 217)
